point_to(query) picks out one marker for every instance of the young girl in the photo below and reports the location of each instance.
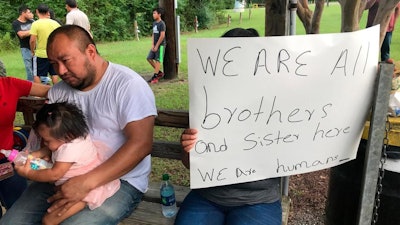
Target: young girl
(64, 132)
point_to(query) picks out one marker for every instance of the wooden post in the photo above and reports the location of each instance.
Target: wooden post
(240, 18)
(136, 28)
(196, 24)
(170, 65)
(275, 17)
(229, 20)
(249, 13)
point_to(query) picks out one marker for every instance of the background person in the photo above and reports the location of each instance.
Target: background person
(40, 31)
(156, 54)
(21, 27)
(75, 16)
(372, 6)
(53, 17)
(120, 110)
(250, 203)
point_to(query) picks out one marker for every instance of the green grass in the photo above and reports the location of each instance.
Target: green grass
(173, 94)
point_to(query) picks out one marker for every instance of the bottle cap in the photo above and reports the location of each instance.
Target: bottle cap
(165, 176)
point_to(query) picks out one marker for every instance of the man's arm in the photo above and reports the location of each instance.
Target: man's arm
(32, 44)
(162, 36)
(137, 146)
(23, 33)
(152, 41)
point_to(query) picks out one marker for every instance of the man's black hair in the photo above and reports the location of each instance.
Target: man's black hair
(43, 8)
(159, 10)
(71, 3)
(22, 9)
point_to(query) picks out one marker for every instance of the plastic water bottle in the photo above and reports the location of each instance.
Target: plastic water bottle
(168, 202)
(19, 158)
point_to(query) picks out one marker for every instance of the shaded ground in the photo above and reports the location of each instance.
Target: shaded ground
(308, 193)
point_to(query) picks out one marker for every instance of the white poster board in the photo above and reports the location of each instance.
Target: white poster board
(276, 106)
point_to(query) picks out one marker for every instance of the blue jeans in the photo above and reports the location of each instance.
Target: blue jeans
(196, 210)
(385, 48)
(27, 57)
(11, 189)
(32, 205)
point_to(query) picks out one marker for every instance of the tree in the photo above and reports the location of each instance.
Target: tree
(311, 20)
(352, 11)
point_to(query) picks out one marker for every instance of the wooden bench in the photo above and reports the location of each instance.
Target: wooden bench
(149, 210)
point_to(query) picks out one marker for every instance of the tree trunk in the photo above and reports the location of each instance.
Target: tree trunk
(311, 20)
(305, 14)
(316, 19)
(383, 15)
(350, 12)
(170, 65)
(275, 17)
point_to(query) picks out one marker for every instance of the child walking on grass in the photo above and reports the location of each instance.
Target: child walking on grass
(65, 135)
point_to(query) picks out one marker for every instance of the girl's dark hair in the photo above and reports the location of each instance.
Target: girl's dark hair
(65, 120)
(240, 32)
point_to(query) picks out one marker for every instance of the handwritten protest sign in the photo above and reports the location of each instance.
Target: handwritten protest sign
(276, 106)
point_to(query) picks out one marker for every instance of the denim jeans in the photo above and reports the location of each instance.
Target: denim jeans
(196, 210)
(11, 188)
(27, 57)
(385, 48)
(32, 205)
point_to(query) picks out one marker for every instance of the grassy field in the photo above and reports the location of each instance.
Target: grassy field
(173, 94)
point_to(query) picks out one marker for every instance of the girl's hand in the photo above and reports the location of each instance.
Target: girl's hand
(24, 170)
(188, 139)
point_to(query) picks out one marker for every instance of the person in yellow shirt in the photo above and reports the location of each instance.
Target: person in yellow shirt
(40, 31)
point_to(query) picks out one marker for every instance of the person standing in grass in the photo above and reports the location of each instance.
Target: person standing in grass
(22, 26)
(156, 54)
(372, 7)
(75, 16)
(40, 31)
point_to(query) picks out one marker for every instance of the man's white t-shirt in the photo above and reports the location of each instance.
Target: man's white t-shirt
(77, 17)
(122, 96)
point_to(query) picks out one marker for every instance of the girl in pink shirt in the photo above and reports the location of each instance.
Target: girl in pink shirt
(65, 135)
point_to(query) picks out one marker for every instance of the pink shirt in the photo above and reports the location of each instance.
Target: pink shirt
(85, 156)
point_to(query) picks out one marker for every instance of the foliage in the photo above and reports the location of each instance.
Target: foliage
(113, 20)
(7, 43)
(110, 20)
(205, 10)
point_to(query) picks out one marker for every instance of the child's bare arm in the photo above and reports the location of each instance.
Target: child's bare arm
(43, 153)
(44, 175)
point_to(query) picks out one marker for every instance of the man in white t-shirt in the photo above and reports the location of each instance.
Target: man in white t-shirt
(75, 16)
(120, 110)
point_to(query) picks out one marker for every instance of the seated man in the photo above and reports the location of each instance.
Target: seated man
(120, 110)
